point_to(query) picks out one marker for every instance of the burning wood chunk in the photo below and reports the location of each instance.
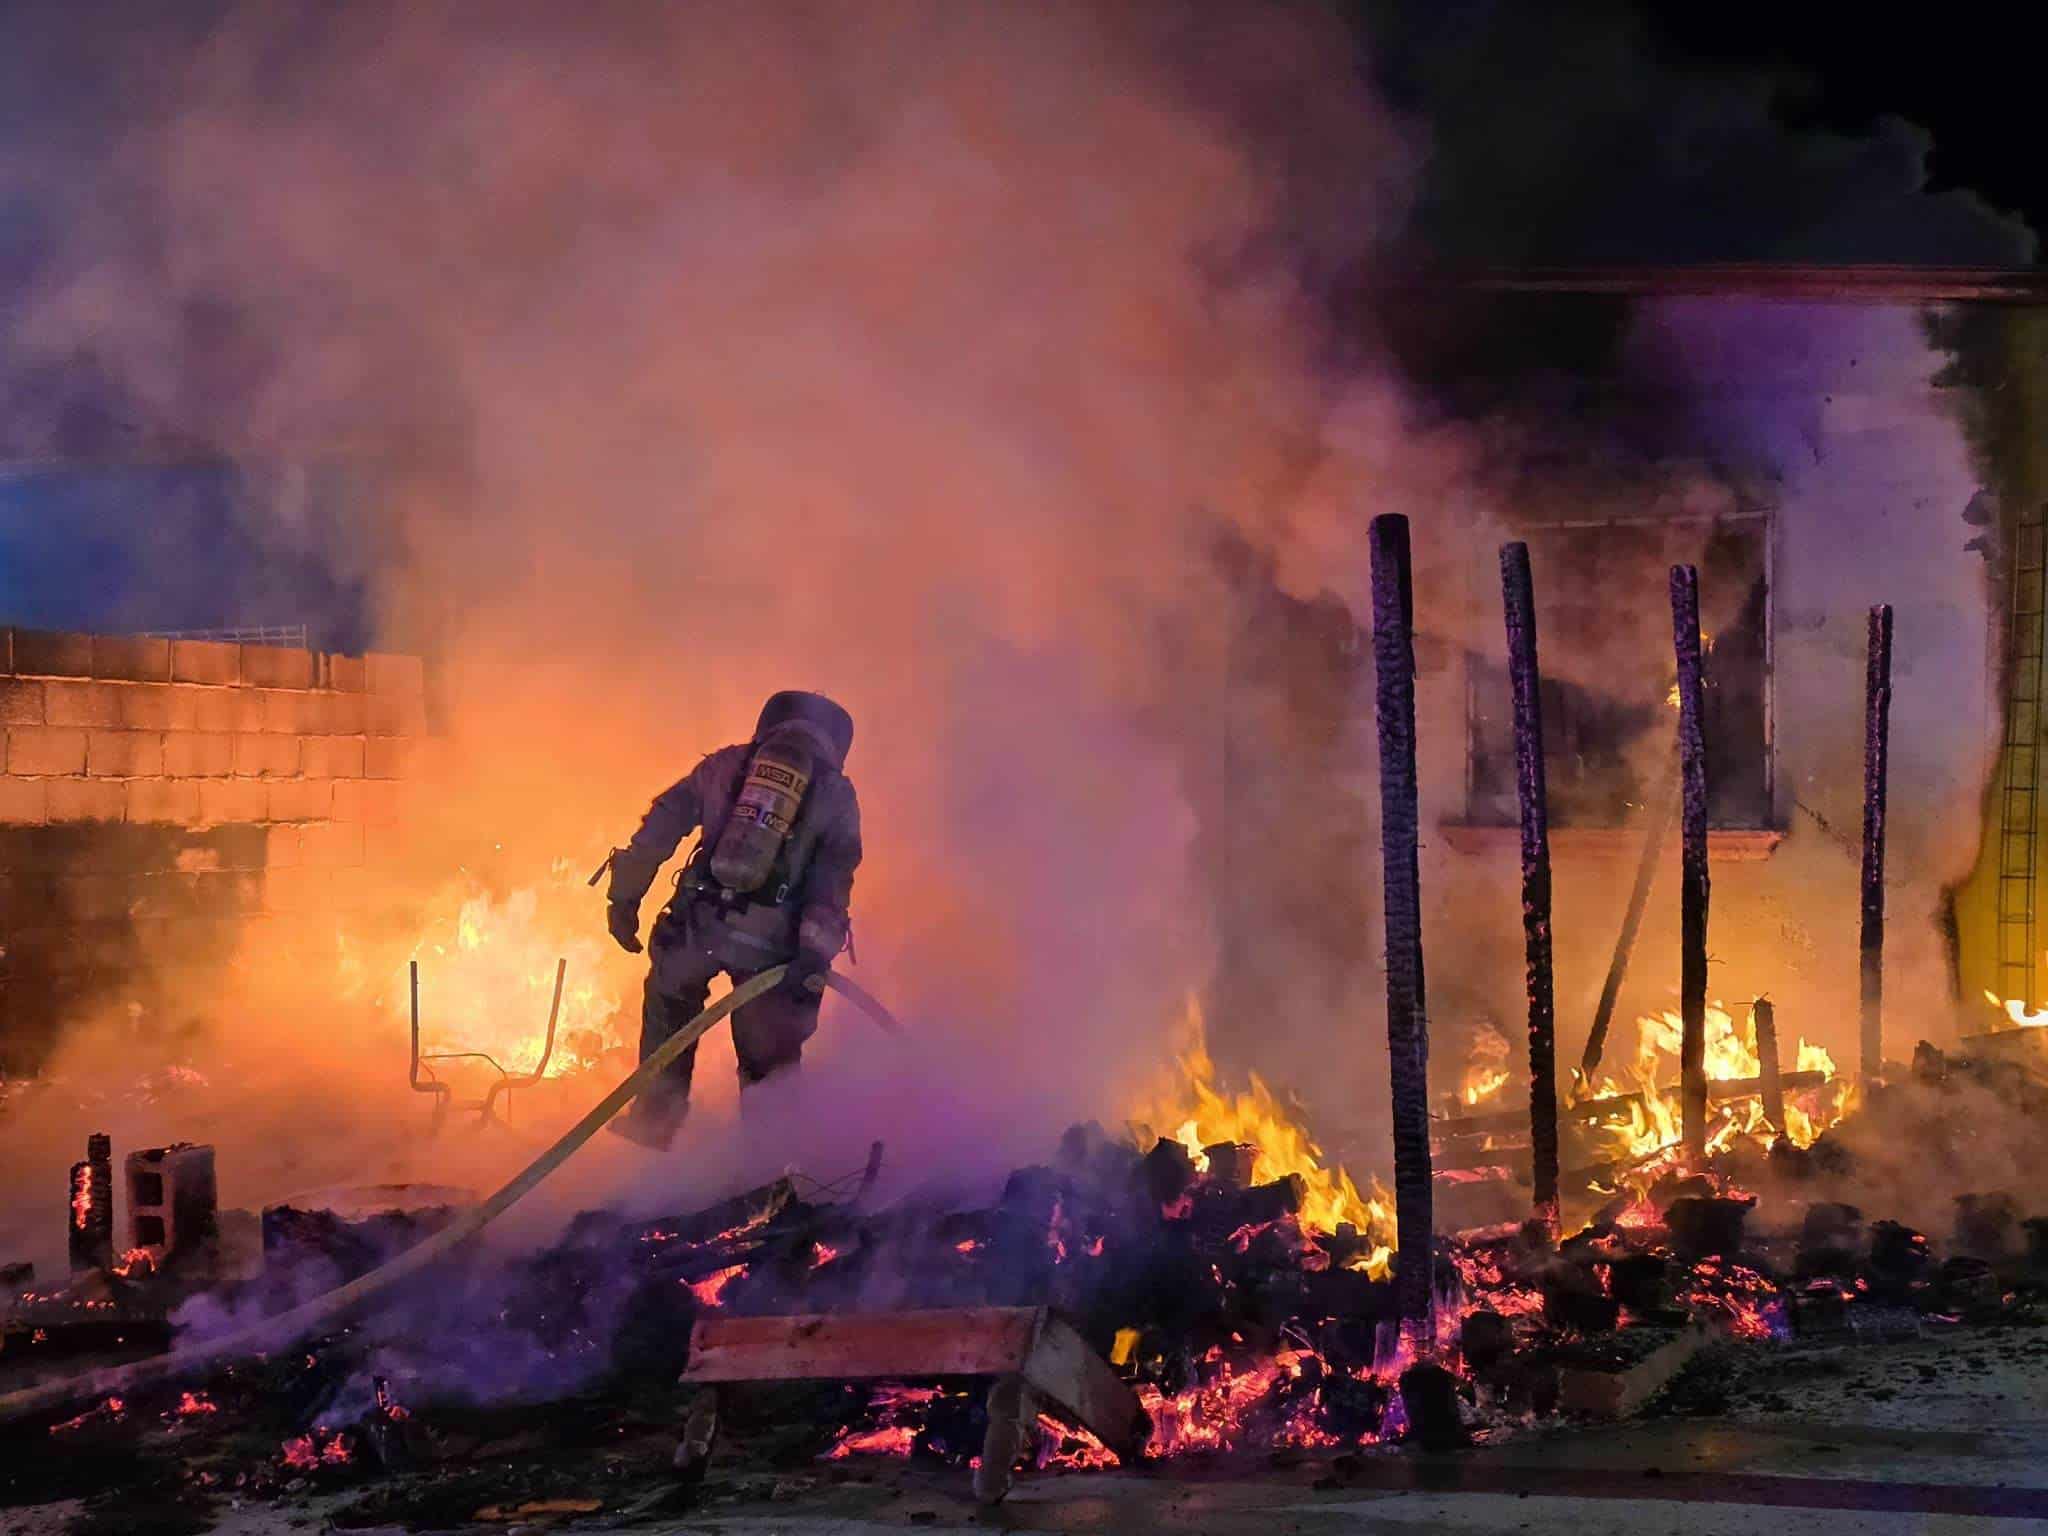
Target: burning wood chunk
(1986, 1225)
(1429, 1400)
(92, 1207)
(1706, 1225)
(1231, 1164)
(1168, 1170)
(1485, 1339)
(356, 1229)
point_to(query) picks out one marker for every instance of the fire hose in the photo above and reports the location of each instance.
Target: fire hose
(288, 1328)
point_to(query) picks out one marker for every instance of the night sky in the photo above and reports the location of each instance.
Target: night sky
(1961, 71)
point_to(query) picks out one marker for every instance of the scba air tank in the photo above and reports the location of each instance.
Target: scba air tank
(762, 816)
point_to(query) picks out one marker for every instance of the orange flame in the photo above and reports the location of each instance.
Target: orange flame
(1203, 1115)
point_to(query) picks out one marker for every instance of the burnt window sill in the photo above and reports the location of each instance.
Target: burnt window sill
(1725, 845)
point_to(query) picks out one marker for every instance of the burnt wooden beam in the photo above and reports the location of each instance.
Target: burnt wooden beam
(1877, 724)
(1393, 651)
(1663, 810)
(1518, 601)
(1766, 1017)
(1692, 770)
(91, 1194)
(1860, 283)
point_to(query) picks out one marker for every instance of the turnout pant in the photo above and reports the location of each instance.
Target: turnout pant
(768, 1034)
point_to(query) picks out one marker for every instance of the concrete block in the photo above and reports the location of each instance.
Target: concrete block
(196, 755)
(227, 801)
(276, 666)
(397, 715)
(231, 847)
(98, 898)
(86, 800)
(147, 706)
(401, 676)
(124, 754)
(131, 658)
(45, 749)
(88, 704)
(21, 703)
(290, 712)
(344, 674)
(345, 714)
(301, 800)
(206, 661)
(236, 710)
(331, 845)
(23, 802)
(285, 846)
(388, 757)
(331, 757)
(372, 802)
(171, 800)
(173, 1203)
(294, 889)
(52, 653)
(266, 757)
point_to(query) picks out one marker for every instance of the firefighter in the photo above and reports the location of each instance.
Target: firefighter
(768, 884)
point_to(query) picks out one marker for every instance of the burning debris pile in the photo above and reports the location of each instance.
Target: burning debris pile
(1241, 1290)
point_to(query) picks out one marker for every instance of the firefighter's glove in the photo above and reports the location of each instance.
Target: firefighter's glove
(624, 921)
(805, 981)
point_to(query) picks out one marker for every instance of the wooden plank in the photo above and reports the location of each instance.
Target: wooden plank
(1063, 1368)
(853, 1346)
(1598, 1394)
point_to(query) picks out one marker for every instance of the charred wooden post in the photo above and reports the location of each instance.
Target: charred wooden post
(1877, 718)
(1767, 1064)
(1663, 811)
(91, 1224)
(1518, 598)
(1692, 769)
(1393, 649)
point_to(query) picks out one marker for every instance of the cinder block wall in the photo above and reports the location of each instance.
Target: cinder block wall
(158, 796)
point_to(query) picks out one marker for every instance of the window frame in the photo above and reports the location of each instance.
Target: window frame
(1485, 598)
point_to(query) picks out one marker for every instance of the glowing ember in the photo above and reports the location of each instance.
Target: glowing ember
(1203, 1116)
(322, 1448)
(969, 1245)
(711, 1289)
(1071, 1449)
(81, 1197)
(823, 1254)
(898, 1411)
(1748, 1303)
(1264, 1404)
(110, 1410)
(194, 1403)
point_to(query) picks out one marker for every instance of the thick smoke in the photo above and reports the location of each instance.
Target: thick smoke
(926, 354)
(916, 353)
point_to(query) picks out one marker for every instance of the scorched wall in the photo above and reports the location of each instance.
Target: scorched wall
(160, 799)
